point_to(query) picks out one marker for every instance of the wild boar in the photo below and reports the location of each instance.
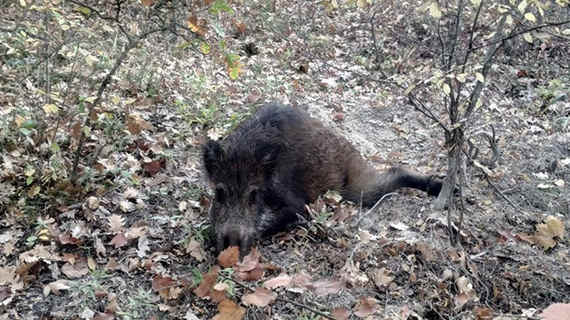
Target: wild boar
(271, 165)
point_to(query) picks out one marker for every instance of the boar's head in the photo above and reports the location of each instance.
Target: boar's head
(240, 173)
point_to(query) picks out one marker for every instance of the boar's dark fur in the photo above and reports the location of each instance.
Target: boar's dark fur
(274, 163)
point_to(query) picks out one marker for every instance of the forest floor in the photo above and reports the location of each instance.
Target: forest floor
(136, 246)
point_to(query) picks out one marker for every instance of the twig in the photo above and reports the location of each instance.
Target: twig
(374, 207)
(516, 34)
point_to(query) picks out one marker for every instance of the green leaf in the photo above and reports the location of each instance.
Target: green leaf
(205, 47)
(219, 6)
(234, 73)
(84, 10)
(29, 124)
(54, 147)
(29, 180)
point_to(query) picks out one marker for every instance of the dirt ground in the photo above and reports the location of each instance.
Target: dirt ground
(393, 262)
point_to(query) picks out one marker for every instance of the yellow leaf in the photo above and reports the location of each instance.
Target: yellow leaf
(530, 17)
(91, 263)
(527, 37)
(434, 10)
(50, 108)
(552, 226)
(522, 6)
(476, 3)
(566, 32)
(90, 99)
(479, 77)
(23, 3)
(461, 77)
(34, 191)
(362, 3)
(91, 60)
(446, 89)
(509, 20)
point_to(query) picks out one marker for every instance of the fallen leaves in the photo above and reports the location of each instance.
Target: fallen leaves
(229, 310)
(365, 307)
(229, 257)
(261, 297)
(547, 233)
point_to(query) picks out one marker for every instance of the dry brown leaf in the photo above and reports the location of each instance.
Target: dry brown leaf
(116, 223)
(301, 281)
(483, 313)
(552, 227)
(38, 253)
(119, 240)
(250, 261)
(229, 257)
(545, 242)
(77, 270)
(56, 287)
(326, 287)
(466, 292)
(261, 297)
(252, 275)
(365, 307)
(282, 280)
(136, 232)
(131, 193)
(208, 281)
(340, 313)
(556, 311)
(126, 206)
(163, 285)
(135, 124)
(351, 273)
(382, 278)
(153, 167)
(100, 248)
(250, 269)
(426, 250)
(229, 310)
(143, 247)
(194, 248)
(92, 203)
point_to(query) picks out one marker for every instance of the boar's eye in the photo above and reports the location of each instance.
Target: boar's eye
(221, 194)
(253, 196)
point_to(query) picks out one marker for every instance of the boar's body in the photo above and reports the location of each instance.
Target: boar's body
(274, 163)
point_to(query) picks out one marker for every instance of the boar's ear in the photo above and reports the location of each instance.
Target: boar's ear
(212, 154)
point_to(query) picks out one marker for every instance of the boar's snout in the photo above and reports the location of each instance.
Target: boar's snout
(232, 234)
